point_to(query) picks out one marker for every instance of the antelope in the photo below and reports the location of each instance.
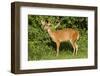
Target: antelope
(58, 36)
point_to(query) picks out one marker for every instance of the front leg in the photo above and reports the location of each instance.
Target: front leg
(57, 44)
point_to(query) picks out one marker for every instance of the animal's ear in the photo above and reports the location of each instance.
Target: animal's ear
(42, 22)
(49, 23)
(58, 24)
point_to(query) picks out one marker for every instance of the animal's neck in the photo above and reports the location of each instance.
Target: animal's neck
(49, 31)
(51, 34)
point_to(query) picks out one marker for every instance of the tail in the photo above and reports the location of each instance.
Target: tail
(78, 35)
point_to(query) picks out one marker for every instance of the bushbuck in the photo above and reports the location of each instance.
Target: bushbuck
(58, 36)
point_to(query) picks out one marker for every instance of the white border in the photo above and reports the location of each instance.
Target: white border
(25, 64)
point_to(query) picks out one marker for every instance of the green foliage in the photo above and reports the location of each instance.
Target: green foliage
(40, 45)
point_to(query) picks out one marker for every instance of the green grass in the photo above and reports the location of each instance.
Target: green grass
(46, 49)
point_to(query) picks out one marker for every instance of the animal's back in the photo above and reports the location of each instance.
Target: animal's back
(65, 34)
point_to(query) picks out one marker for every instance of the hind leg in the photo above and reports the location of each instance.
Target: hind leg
(76, 46)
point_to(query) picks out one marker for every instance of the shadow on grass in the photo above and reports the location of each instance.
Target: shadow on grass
(66, 46)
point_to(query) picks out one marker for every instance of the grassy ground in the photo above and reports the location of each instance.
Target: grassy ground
(41, 51)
